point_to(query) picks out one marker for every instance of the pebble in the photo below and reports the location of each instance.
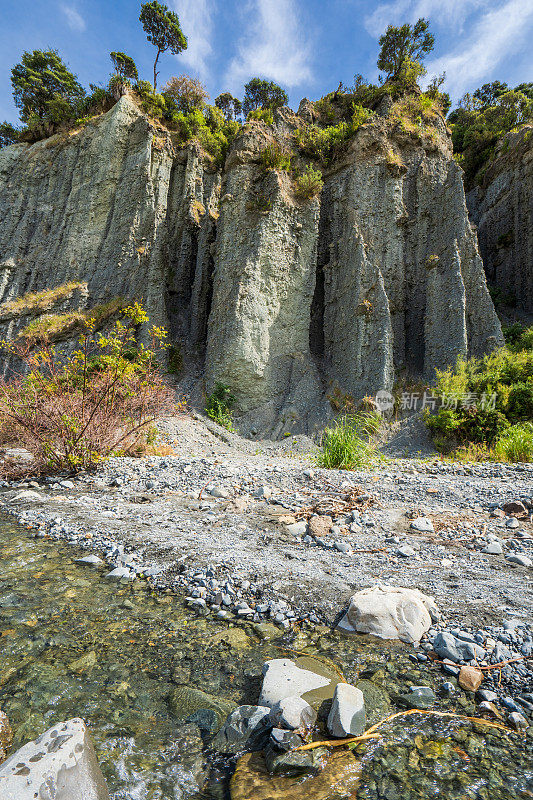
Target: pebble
(516, 558)
(422, 524)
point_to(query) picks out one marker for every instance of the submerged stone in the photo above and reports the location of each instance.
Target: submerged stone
(185, 702)
(337, 779)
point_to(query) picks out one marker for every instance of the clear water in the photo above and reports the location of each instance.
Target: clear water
(74, 644)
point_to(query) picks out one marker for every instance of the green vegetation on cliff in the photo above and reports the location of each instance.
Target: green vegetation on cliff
(482, 119)
(51, 99)
(486, 405)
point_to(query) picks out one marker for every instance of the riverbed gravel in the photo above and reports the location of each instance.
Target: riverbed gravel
(229, 525)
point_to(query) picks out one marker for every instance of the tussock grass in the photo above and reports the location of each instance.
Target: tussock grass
(54, 327)
(516, 444)
(36, 302)
(347, 443)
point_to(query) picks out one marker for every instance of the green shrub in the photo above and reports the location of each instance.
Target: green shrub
(55, 327)
(518, 337)
(487, 395)
(516, 444)
(71, 411)
(519, 404)
(8, 134)
(275, 157)
(219, 406)
(324, 144)
(261, 115)
(346, 444)
(309, 184)
(480, 122)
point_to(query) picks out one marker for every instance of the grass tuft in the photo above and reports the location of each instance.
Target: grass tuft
(36, 302)
(347, 444)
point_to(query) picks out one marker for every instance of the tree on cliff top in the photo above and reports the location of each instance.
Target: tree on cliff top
(259, 93)
(44, 88)
(188, 93)
(230, 106)
(487, 94)
(162, 28)
(124, 66)
(403, 49)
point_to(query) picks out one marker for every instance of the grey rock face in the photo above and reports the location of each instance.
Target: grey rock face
(403, 281)
(82, 208)
(347, 715)
(258, 338)
(267, 293)
(501, 210)
(59, 765)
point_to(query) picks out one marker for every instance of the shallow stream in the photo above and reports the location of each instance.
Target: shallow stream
(130, 662)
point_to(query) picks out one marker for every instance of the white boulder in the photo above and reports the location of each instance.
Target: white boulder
(347, 715)
(390, 612)
(60, 765)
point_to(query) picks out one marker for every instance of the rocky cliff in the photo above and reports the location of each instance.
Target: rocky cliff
(282, 299)
(502, 210)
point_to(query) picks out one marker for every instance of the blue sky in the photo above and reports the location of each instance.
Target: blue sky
(308, 46)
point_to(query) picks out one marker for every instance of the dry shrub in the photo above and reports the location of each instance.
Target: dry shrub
(72, 411)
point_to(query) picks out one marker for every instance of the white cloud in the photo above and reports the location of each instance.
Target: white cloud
(75, 20)
(272, 46)
(196, 19)
(442, 12)
(499, 33)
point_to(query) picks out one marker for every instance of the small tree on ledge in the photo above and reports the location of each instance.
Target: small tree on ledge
(162, 28)
(403, 49)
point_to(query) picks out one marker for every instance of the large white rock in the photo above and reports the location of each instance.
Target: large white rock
(282, 679)
(347, 715)
(60, 765)
(390, 612)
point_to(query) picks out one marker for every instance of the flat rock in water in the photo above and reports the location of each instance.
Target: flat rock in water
(120, 572)
(92, 561)
(390, 612)
(282, 679)
(59, 765)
